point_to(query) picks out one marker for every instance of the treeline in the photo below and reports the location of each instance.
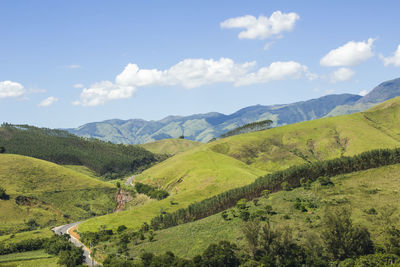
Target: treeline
(340, 243)
(290, 178)
(151, 191)
(250, 127)
(104, 158)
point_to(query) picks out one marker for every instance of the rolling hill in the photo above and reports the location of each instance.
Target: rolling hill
(49, 194)
(170, 146)
(230, 162)
(61, 147)
(368, 193)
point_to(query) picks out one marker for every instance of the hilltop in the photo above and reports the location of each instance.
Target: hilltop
(61, 147)
(170, 146)
(44, 194)
(234, 161)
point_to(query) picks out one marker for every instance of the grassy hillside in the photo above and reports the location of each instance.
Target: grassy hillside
(170, 146)
(227, 163)
(48, 193)
(30, 258)
(370, 194)
(62, 147)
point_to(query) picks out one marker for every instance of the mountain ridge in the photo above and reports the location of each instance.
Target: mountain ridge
(206, 126)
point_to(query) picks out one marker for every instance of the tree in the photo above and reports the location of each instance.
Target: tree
(342, 239)
(3, 194)
(182, 137)
(2, 150)
(221, 255)
(251, 231)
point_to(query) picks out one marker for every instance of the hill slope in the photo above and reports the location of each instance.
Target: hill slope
(170, 146)
(48, 193)
(368, 193)
(62, 147)
(204, 127)
(218, 166)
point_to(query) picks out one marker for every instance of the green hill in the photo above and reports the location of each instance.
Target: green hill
(170, 146)
(61, 147)
(369, 194)
(49, 194)
(228, 163)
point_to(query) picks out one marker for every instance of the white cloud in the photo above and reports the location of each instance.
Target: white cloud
(262, 27)
(363, 92)
(350, 54)
(73, 66)
(78, 85)
(341, 75)
(48, 101)
(11, 89)
(393, 60)
(189, 73)
(276, 71)
(102, 92)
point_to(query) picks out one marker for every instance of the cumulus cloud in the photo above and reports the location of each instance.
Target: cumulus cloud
(48, 101)
(341, 75)
(350, 54)
(73, 66)
(276, 71)
(102, 92)
(262, 27)
(78, 85)
(363, 92)
(189, 73)
(393, 60)
(11, 89)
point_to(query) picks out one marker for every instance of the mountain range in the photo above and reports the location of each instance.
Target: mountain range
(204, 127)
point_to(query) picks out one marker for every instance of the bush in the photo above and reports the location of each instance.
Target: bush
(285, 186)
(3, 194)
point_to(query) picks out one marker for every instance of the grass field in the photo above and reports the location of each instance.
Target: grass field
(230, 162)
(170, 146)
(365, 191)
(31, 258)
(15, 238)
(51, 194)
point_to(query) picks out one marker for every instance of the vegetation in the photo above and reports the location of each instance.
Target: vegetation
(248, 128)
(151, 191)
(106, 159)
(290, 178)
(344, 204)
(235, 161)
(43, 194)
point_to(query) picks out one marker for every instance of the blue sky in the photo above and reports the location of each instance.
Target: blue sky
(66, 63)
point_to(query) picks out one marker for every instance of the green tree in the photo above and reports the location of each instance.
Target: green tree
(342, 239)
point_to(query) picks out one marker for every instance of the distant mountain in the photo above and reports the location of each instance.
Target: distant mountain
(204, 127)
(384, 91)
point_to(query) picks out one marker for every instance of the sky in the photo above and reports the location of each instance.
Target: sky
(67, 63)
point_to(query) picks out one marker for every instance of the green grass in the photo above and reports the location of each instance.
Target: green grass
(230, 162)
(15, 238)
(84, 170)
(23, 256)
(361, 191)
(170, 146)
(56, 194)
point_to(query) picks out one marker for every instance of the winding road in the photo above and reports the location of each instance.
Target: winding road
(64, 229)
